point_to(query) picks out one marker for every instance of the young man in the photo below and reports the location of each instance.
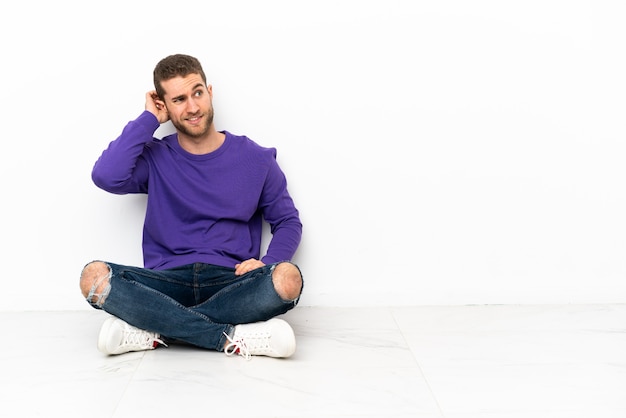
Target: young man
(204, 281)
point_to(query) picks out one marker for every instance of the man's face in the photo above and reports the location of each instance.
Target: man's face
(189, 104)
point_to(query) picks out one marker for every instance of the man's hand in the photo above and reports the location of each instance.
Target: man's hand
(156, 106)
(248, 265)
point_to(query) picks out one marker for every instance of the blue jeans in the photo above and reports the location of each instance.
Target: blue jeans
(196, 303)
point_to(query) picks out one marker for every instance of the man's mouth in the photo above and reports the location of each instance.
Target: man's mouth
(194, 120)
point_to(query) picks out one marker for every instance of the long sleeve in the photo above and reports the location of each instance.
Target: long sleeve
(280, 212)
(119, 169)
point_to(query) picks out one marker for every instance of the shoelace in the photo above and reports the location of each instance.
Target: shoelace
(237, 347)
(139, 338)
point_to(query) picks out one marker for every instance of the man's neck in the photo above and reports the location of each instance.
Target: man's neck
(201, 145)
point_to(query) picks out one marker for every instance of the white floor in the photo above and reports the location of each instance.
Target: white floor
(452, 362)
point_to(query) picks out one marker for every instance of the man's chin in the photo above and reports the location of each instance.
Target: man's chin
(193, 131)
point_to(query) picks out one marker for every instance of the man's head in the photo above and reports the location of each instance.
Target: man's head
(178, 65)
(181, 84)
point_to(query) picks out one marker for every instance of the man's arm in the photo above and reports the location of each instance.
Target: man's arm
(118, 169)
(280, 212)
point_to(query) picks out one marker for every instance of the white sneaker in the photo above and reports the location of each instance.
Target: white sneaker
(273, 338)
(118, 337)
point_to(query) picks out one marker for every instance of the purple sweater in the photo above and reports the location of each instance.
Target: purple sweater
(202, 208)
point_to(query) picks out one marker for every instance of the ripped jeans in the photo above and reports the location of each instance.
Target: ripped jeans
(196, 303)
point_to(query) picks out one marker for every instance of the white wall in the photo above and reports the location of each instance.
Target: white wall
(440, 152)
